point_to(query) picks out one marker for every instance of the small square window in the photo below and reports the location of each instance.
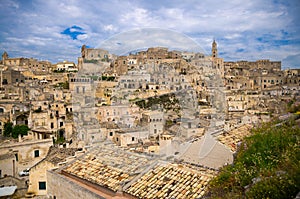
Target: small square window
(36, 153)
(42, 185)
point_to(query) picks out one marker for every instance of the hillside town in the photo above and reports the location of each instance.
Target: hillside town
(157, 123)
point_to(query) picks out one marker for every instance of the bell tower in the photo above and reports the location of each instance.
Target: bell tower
(214, 49)
(4, 56)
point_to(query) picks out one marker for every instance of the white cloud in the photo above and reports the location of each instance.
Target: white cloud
(110, 27)
(36, 26)
(82, 37)
(138, 17)
(9, 4)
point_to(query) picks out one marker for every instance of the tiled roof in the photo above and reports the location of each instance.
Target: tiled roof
(56, 155)
(138, 175)
(233, 137)
(95, 171)
(170, 181)
(109, 167)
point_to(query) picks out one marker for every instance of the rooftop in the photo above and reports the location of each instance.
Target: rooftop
(56, 155)
(139, 175)
(109, 166)
(171, 181)
(233, 137)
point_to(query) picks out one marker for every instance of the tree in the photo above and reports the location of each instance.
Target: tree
(8, 127)
(19, 130)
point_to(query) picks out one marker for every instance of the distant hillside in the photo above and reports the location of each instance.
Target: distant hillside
(266, 166)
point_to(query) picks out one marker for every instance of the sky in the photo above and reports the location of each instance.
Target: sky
(55, 30)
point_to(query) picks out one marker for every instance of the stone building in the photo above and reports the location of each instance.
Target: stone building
(94, 54)
(134, 80)
(120, 114)
(38, 173)
(24, 154)
(121, 174)
(66, 66)
(109, 129)
(13, 62)
(218, 63)
(174, 54)
(129, 136)
(39, 66)
(292, 77)
(155, 121)
(157, 53)
(26, 64)
(104, 92)
(8, 163)
(11, 76)
(120, 65)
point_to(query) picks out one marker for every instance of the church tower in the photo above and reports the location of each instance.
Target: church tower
(214, 50)
(4, 56)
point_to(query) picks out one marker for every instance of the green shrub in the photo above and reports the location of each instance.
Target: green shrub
(267, 165)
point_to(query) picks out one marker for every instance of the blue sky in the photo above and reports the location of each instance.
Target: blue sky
(244, 30)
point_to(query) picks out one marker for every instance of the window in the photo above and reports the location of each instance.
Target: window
(42, 185)
(132, 139)
(52, 125)
(61, 124)
(4, 81)
(155, 131)
(36, 153)
(111, 133)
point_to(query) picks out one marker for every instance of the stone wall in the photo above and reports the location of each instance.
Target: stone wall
(38, 174)
(61, 187)
(7, 165)
(26, 152)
